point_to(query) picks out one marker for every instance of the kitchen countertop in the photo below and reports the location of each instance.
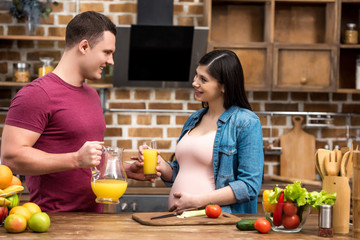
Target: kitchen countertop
(79, 225)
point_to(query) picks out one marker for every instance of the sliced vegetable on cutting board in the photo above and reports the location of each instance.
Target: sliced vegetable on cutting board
(297, 159)
(195, 213)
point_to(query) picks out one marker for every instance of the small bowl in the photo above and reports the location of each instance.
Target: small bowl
(290, 221)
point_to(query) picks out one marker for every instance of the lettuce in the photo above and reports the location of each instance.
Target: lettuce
(315, 199)
(274, 194)
(295, 193)
(299, 195)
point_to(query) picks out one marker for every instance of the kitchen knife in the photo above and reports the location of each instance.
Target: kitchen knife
(164, 216)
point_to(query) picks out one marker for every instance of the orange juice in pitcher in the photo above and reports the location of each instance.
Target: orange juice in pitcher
(109, 188)
(110, 182)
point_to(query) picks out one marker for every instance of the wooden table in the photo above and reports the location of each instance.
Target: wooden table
(121, 226)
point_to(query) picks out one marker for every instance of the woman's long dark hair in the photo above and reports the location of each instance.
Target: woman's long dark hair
(226, 68)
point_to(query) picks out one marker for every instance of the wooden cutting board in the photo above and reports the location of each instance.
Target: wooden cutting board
(145, 219)
(298, 152)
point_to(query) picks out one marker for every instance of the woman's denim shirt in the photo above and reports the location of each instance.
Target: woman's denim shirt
(238, 158)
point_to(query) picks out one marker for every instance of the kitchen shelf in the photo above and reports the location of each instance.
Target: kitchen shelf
(41, 38)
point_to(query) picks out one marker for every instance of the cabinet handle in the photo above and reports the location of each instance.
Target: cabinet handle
(303, 80)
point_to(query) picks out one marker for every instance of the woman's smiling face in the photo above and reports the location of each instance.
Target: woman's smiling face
(207, 88)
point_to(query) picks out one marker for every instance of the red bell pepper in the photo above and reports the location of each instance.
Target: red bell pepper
(278, 210)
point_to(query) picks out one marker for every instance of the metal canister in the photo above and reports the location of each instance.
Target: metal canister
(325, 221)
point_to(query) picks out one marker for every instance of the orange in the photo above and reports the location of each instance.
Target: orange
(32, 207)
(5, 176)
(15, 181)
(21, 210)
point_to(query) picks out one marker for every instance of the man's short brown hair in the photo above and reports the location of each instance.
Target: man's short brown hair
(88, 25)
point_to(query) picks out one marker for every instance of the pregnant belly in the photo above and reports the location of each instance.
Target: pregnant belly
(191, 183)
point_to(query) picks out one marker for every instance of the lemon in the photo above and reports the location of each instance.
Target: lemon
(39, 222)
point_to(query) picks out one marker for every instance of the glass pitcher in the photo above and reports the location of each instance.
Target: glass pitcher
(110, 182)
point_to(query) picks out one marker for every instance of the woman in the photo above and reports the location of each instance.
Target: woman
(219, 156)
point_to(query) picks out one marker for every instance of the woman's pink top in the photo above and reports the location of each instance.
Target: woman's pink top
(196, 174)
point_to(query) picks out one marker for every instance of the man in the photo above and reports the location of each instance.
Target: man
(55, 127)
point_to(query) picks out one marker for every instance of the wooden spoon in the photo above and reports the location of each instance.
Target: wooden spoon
(317, 165)
(349, 165)
(322, 154)
(343, 164)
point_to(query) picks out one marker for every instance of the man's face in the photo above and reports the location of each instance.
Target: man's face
(98, 57)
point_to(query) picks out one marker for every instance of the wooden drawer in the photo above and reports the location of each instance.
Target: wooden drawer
(304, 69)
(255, 63)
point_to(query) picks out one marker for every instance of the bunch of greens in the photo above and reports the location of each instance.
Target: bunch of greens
(34, 8)
(300, 196)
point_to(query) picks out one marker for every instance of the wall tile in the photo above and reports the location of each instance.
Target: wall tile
(122, 94)
(113, 132)
(162, 94)
(142, 94)
(319, 97)
(183, 94)
(163, 120)
(180, 120)
(312, 107)
(146, 132)
(154, 105)
(127, 105)
(350, 108)
(174, 132)
(299, 96)
(124, 119)
(281, 107)
(144, 119)
(260, 95)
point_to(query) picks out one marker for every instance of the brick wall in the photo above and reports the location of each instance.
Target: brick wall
(168, 109)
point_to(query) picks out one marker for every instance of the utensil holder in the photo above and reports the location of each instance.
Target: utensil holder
(356, 195)
(341, 209)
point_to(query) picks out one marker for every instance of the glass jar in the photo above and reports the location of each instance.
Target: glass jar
(21, 72)
(351, 34)
(357, 73)
(46, 66)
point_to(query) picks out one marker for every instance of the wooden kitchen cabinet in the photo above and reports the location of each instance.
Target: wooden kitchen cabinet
(243, 27)
(282, 44)
(349, 11)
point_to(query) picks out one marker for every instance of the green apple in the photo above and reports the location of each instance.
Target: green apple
(14, 199)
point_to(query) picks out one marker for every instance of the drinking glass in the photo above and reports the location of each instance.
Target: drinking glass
(110, 182)
(150, 159)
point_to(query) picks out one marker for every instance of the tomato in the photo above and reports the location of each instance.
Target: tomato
(289, 208)
(290, 222)
(213, 210)
(262, 225)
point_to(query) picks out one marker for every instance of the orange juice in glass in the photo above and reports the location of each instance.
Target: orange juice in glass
(150, 159)
(110, 182)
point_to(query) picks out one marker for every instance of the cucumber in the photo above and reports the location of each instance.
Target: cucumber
(246, 224)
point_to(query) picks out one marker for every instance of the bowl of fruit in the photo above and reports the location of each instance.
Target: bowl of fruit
(288, 208)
